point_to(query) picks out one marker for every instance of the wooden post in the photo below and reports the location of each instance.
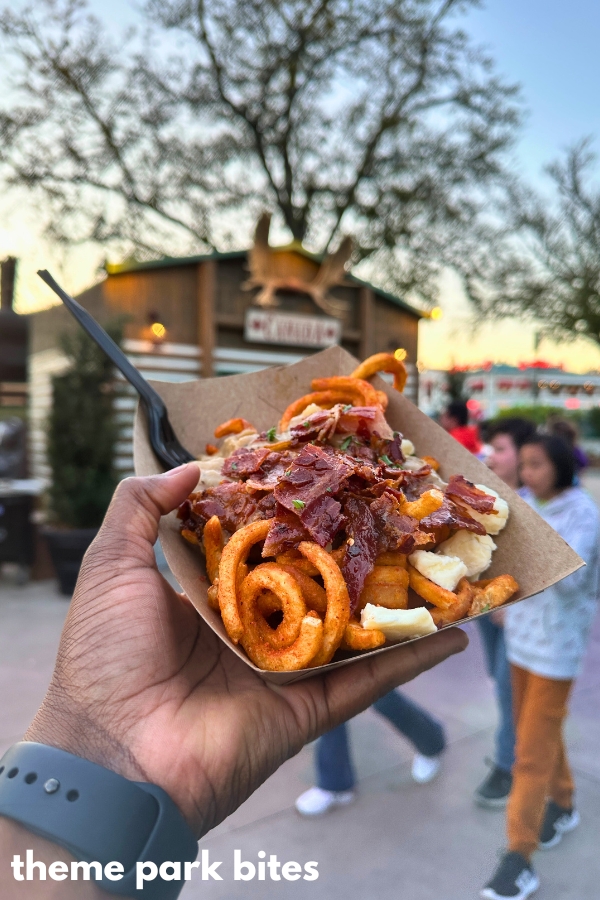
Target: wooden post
(207, 274)
(367, 308)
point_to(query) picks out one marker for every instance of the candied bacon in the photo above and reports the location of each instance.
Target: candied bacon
(369, 419)
(229, 501)
(244, 462)
(268, 476)
(361, 551)
(307, 490)
(395, 530)
(453, 516)
(319, 426)
(285, 533)
(468, 493)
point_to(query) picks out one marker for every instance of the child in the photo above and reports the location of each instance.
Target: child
(545, 639)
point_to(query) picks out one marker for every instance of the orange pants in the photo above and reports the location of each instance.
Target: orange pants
(541, 770)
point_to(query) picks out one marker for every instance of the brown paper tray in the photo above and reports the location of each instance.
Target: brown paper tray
(528, 548)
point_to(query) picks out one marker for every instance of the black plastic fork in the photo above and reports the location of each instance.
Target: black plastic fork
(160, 431)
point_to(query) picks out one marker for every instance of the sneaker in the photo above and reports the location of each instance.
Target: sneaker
(514, 880)
(315, 801)
(557, 821)
(494, 790)
(425, 768)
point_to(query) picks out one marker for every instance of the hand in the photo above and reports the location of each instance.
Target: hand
(143, 686)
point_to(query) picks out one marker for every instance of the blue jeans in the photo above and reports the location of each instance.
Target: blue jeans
(492, 636)
(334, 765)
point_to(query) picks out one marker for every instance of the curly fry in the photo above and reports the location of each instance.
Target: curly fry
(430, 591)
(386, 586)
(383, 362)
(338, 601)
(211, 449)
(324, 399)
(298, 655)
(358, 638)
(190, 536)
(294, 558)
(232, 426)
(313, 593)
(464, 597)
(235, 553)
(212, 596)
(431, 461)
(365, 393)
(270, 577)
(392, 558)
(213, 546)
(424, 506)
(492, 592)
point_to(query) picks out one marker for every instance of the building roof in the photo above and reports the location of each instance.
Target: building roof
(163, 262)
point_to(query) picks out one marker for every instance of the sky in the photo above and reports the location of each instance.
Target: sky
(548, 46)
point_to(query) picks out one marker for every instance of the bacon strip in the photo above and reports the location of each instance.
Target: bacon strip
(458, 486)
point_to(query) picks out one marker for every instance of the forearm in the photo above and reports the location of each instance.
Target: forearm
(16, 841)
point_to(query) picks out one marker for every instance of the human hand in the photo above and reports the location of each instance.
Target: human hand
(144, 687)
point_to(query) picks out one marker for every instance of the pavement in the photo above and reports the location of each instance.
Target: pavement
(398, 839)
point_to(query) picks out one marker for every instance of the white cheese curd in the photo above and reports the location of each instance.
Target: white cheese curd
(397, 624)
(475, 550)
(446, 571)
(407, 447)
(492, 522)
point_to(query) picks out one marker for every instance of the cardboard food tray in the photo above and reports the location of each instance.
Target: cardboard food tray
(528, 548)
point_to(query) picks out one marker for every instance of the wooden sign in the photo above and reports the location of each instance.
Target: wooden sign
(263, 327)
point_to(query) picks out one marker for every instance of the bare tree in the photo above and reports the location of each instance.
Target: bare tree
(548, 267)
(372, 117)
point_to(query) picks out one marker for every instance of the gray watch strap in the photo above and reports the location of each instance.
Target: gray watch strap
(96, 815)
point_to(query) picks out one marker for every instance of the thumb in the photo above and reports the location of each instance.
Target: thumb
(131, 523)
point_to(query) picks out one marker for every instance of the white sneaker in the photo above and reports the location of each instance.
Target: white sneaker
(425, 768)
(315, 801)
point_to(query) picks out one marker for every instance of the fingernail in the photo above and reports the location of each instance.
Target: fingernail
(180, 468)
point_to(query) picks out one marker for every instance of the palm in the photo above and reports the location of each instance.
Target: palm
(143, 685)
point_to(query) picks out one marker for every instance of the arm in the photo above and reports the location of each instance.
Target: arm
(582, 535)
(142, 686)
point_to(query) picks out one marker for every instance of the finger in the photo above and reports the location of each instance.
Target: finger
(345, 692)
(131, 523)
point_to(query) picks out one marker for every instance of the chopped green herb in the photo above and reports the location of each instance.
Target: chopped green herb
(346, 442)
(328, 490)
(298, 504)
(487, 607)
(271, 434)
(287, 472)
(306, 424)
(233, 466)
(347, 408)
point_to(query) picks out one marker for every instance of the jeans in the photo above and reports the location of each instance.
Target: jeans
(334, 765)
(498, 667)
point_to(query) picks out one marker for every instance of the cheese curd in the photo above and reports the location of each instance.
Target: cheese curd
(475, 550)
(397, 624)
(492, 522)
(446, 571)
(407, 447)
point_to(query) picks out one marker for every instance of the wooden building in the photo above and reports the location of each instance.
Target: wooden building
(197, 317)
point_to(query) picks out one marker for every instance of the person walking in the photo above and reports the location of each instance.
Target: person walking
(335, 772)
(505, 438)
(546, 637)
(455, 420)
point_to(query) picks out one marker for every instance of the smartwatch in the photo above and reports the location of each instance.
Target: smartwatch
(97, 815)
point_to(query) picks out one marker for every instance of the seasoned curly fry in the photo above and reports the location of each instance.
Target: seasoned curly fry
(213, 595)
(383, 362)
(271, 577)
(431, 461)
(358, 638)
(424, 506)
(430, 591)
(363, 392)
(232, 426)
(190, 536)
(235, 553)
(338, 601)
(211, 449)
(392, 558)
(386, 586)
(213, 546)
(295, 558)
(490, 593)
(464, 597)
(313, 593)
(298, 655)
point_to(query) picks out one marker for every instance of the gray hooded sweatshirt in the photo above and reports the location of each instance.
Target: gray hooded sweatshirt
(548, 633)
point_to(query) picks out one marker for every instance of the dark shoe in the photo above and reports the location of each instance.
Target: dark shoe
(493, 792)
(557, 821)
(514, 880)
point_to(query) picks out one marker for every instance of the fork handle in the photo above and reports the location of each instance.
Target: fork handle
(106, 343)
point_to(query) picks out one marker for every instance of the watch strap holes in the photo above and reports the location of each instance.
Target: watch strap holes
(30, 777)
(72, 796)
(12, 772)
